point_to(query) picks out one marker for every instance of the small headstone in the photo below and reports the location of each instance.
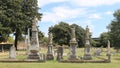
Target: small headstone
(60, 53)
(97, 52)
(12, 53)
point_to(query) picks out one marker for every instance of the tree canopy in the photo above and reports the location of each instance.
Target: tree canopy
(115, 30)
(18, 15)
(62, 33)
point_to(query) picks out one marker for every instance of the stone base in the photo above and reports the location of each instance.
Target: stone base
(72, 57)
(50, 57)
(33, 55)
(87, 57)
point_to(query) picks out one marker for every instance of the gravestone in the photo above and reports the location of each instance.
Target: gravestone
(108, 51)
(60, 53)
(73, 45)
(50, 48)
(12, 52)
(97, 52)
(34, 43)
(87, 55)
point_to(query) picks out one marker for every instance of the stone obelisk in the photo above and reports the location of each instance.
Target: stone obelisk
(73, 46)
(87, 55)
(50, 48)
(34, 43)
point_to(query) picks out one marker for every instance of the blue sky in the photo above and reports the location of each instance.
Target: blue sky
(97, 14)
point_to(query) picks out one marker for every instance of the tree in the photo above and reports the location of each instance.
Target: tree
(115, 30)
(4, 33)
(40, 35)
(80, 34)
(104, 37)
(61, 33)
(18, 15)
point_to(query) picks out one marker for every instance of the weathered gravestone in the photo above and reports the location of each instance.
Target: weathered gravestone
(34, 43)
(108, 52)
(87, 55)
(73, 45)
(50, 53)
(12, 53)
(60, 53)
(97, 52)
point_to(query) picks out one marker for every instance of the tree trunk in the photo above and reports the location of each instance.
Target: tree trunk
(16, 39)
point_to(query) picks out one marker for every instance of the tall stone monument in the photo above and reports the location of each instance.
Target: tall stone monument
(87, 55)
(34, 43)
(73, 45)
(50, 48)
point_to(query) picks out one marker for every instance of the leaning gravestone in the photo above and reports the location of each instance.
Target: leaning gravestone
(12, 53)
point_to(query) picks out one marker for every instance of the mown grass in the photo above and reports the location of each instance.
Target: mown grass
(115, 62)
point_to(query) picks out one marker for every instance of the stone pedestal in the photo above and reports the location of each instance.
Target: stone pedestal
(73, 46)
(73, 55)
(33, 52)
(50, 53)
(50, 48)
(87, 55)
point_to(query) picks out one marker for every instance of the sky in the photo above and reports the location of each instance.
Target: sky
(97, 14)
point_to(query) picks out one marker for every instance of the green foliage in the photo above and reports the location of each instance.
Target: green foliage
(18, 15)
(95, 43)
(61, 33)
(10, 39)
(115, 30)
(104, 37)
(40, 35)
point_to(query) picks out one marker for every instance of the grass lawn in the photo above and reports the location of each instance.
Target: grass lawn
(54, 64)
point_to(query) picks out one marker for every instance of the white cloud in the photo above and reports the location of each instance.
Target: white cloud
(42, 3)
(87, 3)
(109, 12)
(94, 3)
(94, 16)
(62, 13)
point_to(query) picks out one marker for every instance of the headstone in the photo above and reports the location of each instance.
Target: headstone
(87, 55)
(73, 45)
(34, 43)
(97, 52)
(12, 52)
(50, 48)
(108, 52)
(60, 53)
